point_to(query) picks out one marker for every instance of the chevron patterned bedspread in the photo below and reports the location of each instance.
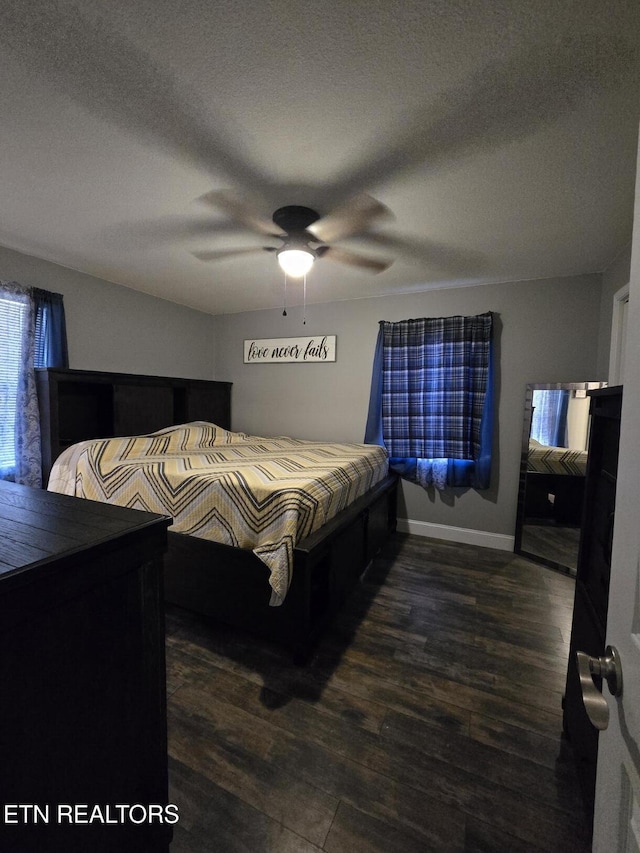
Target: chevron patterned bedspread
(262, 494)
(556, 460)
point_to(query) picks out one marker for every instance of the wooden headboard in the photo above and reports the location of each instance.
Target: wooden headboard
(76, 405)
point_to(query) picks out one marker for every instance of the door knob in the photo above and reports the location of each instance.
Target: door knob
(607, 667)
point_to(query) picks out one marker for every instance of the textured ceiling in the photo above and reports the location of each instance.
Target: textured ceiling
(502, 137)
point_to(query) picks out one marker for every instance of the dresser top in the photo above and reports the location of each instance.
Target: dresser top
(38, 528)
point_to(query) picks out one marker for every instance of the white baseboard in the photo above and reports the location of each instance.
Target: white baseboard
(465, 535)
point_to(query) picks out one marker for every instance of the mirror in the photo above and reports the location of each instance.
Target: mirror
(555, 439)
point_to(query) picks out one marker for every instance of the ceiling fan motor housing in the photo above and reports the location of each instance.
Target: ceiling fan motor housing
(294, 219)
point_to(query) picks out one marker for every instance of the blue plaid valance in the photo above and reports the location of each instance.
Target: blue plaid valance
(434, 380)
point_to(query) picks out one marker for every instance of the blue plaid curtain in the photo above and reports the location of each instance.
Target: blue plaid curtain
(431, 401)
(50, 329)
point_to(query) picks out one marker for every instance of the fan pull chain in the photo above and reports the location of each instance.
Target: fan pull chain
(304, 301)
(284, 310)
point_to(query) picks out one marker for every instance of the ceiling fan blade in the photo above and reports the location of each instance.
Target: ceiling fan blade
(353, 217)
(221, 254)
(453, 259)
(344, 256)
(242, 211)
(167, 231)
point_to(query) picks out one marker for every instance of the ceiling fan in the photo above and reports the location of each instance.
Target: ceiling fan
(305, 235)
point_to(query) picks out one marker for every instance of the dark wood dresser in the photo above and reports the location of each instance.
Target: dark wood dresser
(80, 404)
(82, 675)
(591, 600)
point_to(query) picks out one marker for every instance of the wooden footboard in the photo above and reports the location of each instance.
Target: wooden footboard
(231, 584)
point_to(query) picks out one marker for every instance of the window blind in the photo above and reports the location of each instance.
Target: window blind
(12, 319)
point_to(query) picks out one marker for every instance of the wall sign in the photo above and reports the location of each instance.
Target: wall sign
(283, 350)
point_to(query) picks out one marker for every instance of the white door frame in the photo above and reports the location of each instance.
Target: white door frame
(618, 337)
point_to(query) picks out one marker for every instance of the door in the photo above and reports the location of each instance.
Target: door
(617, 807)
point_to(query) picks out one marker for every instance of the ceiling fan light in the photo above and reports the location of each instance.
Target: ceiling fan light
(296, 262)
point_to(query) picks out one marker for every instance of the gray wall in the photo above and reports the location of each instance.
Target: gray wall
(110, 327)
(547, 331)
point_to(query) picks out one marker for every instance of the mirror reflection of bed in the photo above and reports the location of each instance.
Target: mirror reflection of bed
(552, 477)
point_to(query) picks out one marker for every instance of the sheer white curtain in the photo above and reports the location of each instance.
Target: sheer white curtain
(20, 458)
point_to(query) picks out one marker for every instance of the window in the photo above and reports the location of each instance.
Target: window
(12, 323)
(32, 334)
(549, 418)
(431, 399)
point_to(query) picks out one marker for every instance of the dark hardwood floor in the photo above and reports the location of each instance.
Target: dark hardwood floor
(429, 718)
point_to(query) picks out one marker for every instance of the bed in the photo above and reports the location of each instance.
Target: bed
(268, 534)
(556, 460)
(557, 472)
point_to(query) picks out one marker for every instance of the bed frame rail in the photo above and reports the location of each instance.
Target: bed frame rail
(231, 585)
